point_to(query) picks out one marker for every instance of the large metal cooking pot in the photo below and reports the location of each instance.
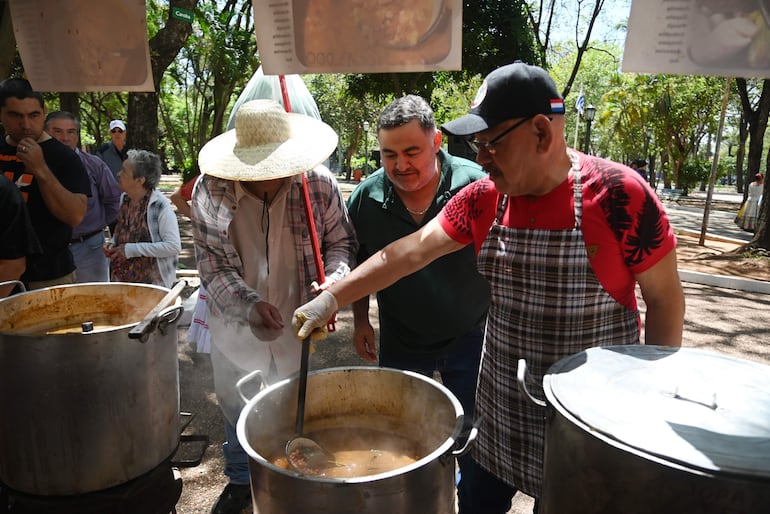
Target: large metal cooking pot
(80, 412)
(406, 403)
(650, 429)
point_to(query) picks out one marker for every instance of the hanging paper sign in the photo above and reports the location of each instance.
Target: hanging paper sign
(78, 45)
(358, 36)
(699, 37)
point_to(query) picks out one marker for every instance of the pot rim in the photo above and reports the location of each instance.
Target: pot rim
(20, 298)
(442, 449)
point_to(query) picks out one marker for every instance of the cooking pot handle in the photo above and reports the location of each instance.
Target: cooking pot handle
(161, 321)
(17, 282)
(471, 432)
(245, 380)
(168, 316)
(520, 373)
(147, 325)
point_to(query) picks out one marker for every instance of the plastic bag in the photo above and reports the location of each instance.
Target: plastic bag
(268, 87)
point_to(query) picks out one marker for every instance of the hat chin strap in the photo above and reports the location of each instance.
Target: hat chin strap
(265, 190)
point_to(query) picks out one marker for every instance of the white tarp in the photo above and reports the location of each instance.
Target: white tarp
(699, 37)
(358, 36)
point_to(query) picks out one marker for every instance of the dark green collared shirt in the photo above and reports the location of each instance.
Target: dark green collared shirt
(422, 314)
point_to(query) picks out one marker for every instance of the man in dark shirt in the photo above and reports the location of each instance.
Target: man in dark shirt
(16, 233)
(51, 178)
(416, 180)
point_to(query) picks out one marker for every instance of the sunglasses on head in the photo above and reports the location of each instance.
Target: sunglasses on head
(116, 130)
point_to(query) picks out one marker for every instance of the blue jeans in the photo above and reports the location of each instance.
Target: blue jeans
(90, 262)
(459, 371)
(236, 458)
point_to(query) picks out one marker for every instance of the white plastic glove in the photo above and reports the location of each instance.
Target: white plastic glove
(310, 319)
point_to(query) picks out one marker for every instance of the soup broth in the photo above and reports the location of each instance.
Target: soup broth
(359, 452)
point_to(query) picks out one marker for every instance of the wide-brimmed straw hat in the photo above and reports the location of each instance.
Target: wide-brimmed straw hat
(267, 143)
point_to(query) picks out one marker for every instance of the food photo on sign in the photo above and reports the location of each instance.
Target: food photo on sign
(699, 37)
(359, 36)
(731, 33)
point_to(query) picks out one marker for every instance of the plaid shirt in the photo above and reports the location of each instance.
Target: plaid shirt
(220, 266)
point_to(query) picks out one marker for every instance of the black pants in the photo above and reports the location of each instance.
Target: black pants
(487, 494)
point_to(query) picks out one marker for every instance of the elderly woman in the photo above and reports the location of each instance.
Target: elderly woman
(146, 241)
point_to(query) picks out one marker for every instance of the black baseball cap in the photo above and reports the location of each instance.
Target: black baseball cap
(517, 90)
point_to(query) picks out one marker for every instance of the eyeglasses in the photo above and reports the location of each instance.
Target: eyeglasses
(489, 146)
(116, 130)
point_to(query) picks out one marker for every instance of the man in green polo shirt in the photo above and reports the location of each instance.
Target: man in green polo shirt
(433, 319)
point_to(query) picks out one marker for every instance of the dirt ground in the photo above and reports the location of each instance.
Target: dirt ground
(721, 320)
(719, 258)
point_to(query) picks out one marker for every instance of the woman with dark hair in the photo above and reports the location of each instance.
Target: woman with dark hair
(146, 242)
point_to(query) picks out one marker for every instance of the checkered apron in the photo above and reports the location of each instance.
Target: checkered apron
(546, 304)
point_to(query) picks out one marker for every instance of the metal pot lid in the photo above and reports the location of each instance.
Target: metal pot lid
(695, 408)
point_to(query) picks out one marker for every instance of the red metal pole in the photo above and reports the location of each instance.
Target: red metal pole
(319, 264)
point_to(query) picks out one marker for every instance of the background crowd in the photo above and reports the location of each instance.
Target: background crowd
(94, 218)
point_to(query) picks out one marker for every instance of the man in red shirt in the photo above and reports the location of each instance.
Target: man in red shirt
(563, 239)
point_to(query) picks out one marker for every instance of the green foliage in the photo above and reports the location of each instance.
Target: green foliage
(157, 14)
(346, 113)
(684, 110)
(692, 172)
(677, 111)
(198, 89)
(452, 98)
(96, 111)
(189, 169)
(726, 165)
(597, 77)
(496, 32)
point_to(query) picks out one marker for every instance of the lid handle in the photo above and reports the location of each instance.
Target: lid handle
(707, 399)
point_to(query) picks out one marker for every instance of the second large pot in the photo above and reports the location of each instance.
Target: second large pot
(654, 430)
(81, 412)
(408, 404)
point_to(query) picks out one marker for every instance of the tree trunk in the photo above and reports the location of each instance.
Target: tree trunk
(7, 39)
(762, 235)
(757, 120)
(143, 121)
(70, 102)
(143, 107)
(664, 159)
(740, 154)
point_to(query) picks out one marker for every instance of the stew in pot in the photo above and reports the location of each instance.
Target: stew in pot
(359, 452)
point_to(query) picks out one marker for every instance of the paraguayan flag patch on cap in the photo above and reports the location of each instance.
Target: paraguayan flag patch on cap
(557, 106)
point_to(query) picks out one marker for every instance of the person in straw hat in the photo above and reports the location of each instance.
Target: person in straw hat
(254, 253)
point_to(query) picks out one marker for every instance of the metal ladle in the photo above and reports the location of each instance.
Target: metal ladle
(304, 454)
